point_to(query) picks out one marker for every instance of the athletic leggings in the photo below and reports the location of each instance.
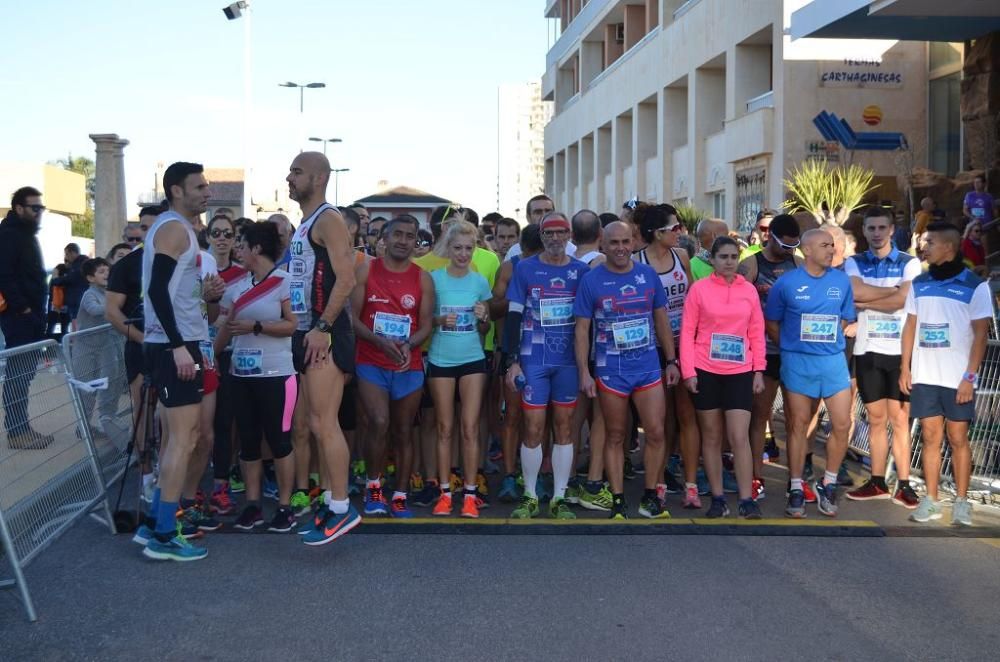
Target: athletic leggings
(222, 454)
(264, 405)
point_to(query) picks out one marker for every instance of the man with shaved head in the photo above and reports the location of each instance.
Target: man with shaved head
(322, 277)
(708, 231)
(627, 305)
(806, 312)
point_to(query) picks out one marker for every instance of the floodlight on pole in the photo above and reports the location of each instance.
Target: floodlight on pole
(325, 141)
(233, 12)
(302, 89)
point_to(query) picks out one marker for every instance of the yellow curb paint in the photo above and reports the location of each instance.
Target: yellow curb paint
(541, 521)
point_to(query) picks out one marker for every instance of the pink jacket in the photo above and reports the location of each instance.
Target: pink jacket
(716, 308)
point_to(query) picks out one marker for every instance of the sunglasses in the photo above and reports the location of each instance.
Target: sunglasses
(133, 240)
(787, 247)
(228, 234)
(36, 208)
(673, 228)
(423, 244)
(764, 228)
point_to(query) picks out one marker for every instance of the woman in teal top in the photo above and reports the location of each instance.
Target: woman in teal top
(456, 358)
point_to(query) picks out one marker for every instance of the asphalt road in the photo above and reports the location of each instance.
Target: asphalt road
(574, 597)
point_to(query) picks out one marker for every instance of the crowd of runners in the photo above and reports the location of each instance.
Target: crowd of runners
(351, 354)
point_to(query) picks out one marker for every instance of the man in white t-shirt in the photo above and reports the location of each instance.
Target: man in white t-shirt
(944, 340)
(535, 210)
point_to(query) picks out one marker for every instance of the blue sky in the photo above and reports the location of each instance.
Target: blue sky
(411, 85)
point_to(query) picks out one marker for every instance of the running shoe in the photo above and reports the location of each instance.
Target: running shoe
(807, 492)
(906, 497)
(727, 462)
(827, 493)
(283, 521)
(796, 506)
(175, 549)
(757, 489)
(490, 467)
(482, 490)
(961, 513)
(771, 452)
(455, 482)
(844, 478)
(443, 506)
(270, 489)
(249, 519)
(148, 488)
(543, 486)
(526, 509)
(509, 492)
(196, 517)
(749, 509)
(358, 472)
(674, 485)
(573, 489)
(729, 484)
(221, 503)
(142, 535)
(691, 499)
(661, 492)
(236, 483)
(495, 450)
(618, 511)
(600, 500)
(398, 508)
(869, 491)
(470, 506)
(718, 508)
(300, 502)
(652, 508)
(315, 520)
(375, 502)
(416, 482)
(808, 474)
(559, 509)
(334, 526)
(701, 480)
(628, 471)
(428, 495)
(927, 510)
(353, 489)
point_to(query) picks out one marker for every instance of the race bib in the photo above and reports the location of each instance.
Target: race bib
(633, 334)
(819, 328)
(935, 336)
(978, 213)
(297, 294)
(730, 349)
(248, 362)
(675, 323)
(887, 327)
(208, 354)
(393, 327)
(556, 312)
(465, 320)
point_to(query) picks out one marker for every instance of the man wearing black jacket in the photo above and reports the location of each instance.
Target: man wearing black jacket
(73, 282)
(23, 286)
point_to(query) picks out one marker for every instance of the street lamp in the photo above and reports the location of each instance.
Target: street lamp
(325, 141)
(233, 12)
(302, 90)
(336, 184)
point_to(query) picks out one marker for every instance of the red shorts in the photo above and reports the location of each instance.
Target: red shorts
(211, 381)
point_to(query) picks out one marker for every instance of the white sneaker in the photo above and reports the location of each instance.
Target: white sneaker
(927, 510)
(961, 512)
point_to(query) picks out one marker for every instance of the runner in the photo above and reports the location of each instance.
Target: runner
(175, 325)
(660, 228)
(722, 362)
(393, 302)
(806, 311)
(881, 279)
(541, 297)
(257, 317)
(762, 269)
(627, 303)
(948, 312)
(457, 360)
(322, 275)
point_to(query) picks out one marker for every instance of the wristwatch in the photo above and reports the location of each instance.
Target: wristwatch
(672, 362)
(323, 325)
(258, 328)
(972, 378)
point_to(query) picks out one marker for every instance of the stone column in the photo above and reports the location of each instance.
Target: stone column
(109, 193)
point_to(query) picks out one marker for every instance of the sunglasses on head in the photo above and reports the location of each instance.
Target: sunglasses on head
(228, 234)
(671, 228)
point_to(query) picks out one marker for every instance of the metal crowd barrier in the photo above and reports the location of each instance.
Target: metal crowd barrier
(49, 472)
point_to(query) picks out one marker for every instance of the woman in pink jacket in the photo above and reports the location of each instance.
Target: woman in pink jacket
(722, 359)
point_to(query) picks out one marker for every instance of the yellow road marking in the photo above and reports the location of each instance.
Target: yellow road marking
(541, 521)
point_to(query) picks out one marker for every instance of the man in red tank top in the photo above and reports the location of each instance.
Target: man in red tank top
(392, 306)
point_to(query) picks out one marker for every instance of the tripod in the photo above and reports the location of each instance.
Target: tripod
(127, 521)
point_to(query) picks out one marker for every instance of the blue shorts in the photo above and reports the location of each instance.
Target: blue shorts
(625, 385)
(544, 384)
(927, 401)
(814, 375)
(397, 384)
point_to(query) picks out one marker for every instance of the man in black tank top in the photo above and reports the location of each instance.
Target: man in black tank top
(327, 344)
(762, 269)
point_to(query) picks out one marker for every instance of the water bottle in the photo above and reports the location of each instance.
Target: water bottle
(519, 382)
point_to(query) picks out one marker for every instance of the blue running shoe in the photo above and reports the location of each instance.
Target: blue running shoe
(702, 481)
(729, 484)
(399, 509)
(314, 520)
(143, 535)
(333, 527)
(796, 506)
(509, 491)
(175, 549)
(270, 489)
(427, 496)
(375, 502)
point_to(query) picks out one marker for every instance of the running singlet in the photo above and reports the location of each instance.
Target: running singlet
(544, 294)
(259, 355)
(231, 276)
(302, 269)
(768, 274)
(190, 311)
(391, 310)
(622, 306)
(675, 286)
(878, 331)
(810, 310)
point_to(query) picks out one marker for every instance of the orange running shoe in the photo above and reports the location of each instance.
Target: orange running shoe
(443, 506)
(470, 506)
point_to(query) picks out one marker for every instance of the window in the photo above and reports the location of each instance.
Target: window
(719, 204)
(944, 131)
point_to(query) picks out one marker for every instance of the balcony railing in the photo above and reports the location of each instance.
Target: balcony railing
(765, 100)
(573, 32)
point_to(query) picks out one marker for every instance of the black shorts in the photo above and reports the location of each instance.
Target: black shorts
(849, 355)
(135, 363)
(878, 377)
(725, 392)
(773, 369)
(457, 371)
(347, 415)
(172, 391)
(341, 349)
(265, 405)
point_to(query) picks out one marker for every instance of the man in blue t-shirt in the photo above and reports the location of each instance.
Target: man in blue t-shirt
(627, 305)
(541, 296)
(978, 204)
(806, 312)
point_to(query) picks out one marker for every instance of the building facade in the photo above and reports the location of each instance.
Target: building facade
(403, 200)
(710, 103)
(521, 119)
